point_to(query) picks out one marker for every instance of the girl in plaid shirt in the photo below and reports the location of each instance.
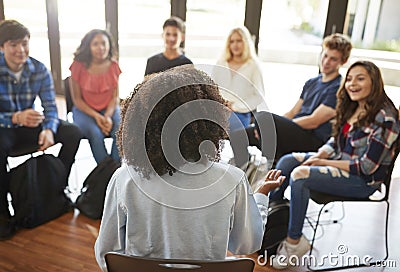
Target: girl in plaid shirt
(353, 163)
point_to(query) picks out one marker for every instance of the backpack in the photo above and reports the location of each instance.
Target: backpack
(91, 200)
(276, 228)
(37, 191)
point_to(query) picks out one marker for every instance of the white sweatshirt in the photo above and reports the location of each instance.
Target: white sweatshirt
(244, 88)
(198, 213)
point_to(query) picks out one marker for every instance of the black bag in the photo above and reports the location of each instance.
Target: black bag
(37, 191)
(276, 228)
(91, 200)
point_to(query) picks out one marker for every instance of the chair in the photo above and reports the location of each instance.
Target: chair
(67, 93)
(123, 263)
(324, 199)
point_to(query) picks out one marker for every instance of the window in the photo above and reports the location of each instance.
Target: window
(208, 23)
(293, 22)
(32, 14)
(140, 28)
(76, 18)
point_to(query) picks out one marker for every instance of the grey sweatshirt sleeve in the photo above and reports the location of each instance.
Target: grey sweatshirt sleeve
(249, 219)
(113, 225)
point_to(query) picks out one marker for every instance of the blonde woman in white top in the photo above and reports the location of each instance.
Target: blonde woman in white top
(239, 76)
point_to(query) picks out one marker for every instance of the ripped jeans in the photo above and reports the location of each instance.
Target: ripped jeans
(324, 179)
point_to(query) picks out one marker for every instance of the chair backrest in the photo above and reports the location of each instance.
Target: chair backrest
(388, 177)
(67, 93)
(123, 263)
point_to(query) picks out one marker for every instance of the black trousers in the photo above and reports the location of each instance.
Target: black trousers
(277, 136)
(67, 134)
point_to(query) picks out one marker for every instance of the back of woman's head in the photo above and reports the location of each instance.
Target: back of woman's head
(375, 101)
(171, 119)
(83, 52)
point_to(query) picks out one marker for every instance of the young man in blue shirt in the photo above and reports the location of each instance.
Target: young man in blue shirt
(22, 79)
(306, 126)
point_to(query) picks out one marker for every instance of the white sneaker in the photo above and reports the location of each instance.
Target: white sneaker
(288, 254)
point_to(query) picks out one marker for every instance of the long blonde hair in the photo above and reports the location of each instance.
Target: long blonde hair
(249, 51)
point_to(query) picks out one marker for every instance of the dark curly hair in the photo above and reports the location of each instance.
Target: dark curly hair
(83, 53)
(377, 100)
(180, 108)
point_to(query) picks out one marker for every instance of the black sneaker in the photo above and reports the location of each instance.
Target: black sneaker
(7, 228)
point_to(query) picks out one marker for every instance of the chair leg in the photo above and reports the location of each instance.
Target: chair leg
(386, 230)
(378, 262)
(315, 233)
(342, 216)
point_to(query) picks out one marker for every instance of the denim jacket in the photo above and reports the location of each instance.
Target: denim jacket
(370, 149)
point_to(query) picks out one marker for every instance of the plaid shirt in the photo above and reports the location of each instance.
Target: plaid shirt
(370, 149)
(16, 96)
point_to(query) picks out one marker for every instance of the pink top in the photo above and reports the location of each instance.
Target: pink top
(97, 89)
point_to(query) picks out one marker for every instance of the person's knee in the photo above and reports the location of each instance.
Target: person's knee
(290, 160)
(73, 132)
(299, 156)
(69, 133)
(300, 172)
(94, 133)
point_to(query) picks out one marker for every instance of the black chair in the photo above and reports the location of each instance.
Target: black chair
(67, 93)
(324, 199)
(123, 263)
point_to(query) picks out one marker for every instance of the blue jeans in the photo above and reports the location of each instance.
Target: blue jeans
(92, 132)
(239, 120)
(324, 179)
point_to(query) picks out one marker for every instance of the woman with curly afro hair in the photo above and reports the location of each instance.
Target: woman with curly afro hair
(172, 198)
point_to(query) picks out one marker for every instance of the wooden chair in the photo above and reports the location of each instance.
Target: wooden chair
(324, 199)
(123, 263)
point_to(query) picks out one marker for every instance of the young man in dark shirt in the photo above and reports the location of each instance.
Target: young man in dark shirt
(306, 126)
(173, 36)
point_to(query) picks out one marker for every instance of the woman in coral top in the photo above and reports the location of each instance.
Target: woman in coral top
(94, 91)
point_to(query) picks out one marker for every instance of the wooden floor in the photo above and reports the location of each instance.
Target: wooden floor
(66, 244)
